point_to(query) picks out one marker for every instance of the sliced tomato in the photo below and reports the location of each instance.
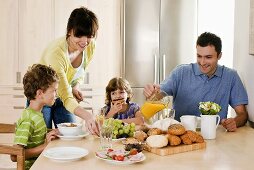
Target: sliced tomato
(110, 150)
(133, 152)
(114, 157)
(119, 157)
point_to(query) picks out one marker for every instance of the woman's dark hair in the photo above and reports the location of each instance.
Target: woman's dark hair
(38, 77)
(117, 83)
(83, 22)
(208, 38)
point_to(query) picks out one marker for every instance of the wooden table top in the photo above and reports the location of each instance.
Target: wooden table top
(229, 151)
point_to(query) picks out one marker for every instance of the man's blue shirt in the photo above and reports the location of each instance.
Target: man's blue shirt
(189, 86)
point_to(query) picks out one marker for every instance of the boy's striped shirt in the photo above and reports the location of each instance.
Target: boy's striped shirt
(30, 131)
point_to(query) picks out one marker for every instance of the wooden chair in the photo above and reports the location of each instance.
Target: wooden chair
(12, 150)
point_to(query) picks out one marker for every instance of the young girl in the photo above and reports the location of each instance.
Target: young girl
(118, 105)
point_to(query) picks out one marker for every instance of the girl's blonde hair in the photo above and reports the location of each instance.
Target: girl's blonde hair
(118, 83)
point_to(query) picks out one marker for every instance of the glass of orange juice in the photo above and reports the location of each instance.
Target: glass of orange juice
(157, 102)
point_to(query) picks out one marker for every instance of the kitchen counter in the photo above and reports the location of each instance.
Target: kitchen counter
(229, 151)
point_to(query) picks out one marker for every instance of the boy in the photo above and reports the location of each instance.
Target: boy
(40, 85)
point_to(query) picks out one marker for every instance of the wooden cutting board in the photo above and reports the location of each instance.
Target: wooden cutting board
(169, 150)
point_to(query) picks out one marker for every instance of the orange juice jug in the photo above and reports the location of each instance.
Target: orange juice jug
(150, 108)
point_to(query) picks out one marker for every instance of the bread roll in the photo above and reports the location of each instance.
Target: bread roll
(186, 139)
(144, 128)
(176, 129)
(140, 135)
(131, 140)
(154, 131)
(199, 138)
(194, 136)
(157, 141)
(173, 140)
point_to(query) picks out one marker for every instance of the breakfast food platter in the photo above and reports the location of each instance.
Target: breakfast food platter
(120, 157)
(176, 139)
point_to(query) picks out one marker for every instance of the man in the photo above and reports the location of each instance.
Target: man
(203, 81)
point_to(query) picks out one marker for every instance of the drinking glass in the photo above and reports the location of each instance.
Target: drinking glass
(168, 113)
(106, 132)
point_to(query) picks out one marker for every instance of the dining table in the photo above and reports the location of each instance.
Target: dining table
(229, 151)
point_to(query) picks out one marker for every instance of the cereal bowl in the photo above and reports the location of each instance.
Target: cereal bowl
(70, 129)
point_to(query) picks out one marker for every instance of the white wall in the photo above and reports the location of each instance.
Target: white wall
(217, 16)
(243, 62)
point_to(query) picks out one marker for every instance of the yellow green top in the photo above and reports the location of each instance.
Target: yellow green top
(56, 56)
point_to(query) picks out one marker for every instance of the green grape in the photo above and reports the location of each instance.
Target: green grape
(118, 121)
(115, 132)
(132, 125)
(120, 131)
(126, 131)
(108, 122)
(132, 129)
(131, 134)
(128, 127)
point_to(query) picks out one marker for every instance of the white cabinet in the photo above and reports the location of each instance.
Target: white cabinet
(12, 103)
(8, 41)
(35, 30)
(94, 98)
(24, 33)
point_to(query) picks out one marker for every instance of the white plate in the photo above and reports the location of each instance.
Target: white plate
(65, 153)
(84, 134)
(125, 162)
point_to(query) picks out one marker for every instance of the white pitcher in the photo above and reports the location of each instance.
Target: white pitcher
(209, 124)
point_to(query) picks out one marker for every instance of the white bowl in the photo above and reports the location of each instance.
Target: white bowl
(70, 129)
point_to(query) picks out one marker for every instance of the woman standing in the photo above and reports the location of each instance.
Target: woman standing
(69, 56)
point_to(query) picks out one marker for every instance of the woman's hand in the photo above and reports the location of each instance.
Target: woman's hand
(92, 126)
(88, 117)
(77, 94)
